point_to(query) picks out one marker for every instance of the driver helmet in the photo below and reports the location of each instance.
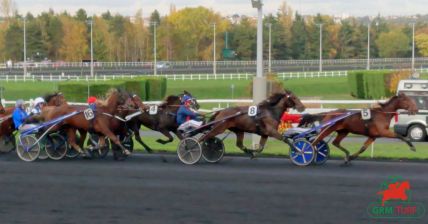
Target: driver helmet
(92, 99)
(185, 99)
(38, 101)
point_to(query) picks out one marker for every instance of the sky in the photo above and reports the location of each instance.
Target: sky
(229, 7)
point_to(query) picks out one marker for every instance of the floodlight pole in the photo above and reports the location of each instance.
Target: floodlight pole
(413, 48)
(320, 67)
(270, 48)
(214, 53)
(25, 48)
(92, 49)
(154, 49)
(368, 46)
(259, 82)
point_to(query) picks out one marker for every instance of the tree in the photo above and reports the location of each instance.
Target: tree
(191, 31)
(243, 39)
(74, 44)
(393, 44)
(14, 42)
(300, 37)
(421, 40)
(7, 9)
(81, 16)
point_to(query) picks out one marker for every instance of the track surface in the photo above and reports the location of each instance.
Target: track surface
(145, 189)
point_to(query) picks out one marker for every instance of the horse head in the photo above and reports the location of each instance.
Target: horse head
(286, 99)
(54, 99)
(401, 101)
(194, 103)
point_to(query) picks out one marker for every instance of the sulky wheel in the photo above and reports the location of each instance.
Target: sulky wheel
(7, 143)
(189, 151)
(213, 150)
(302, 153)
(322, 153)
(95, 150)
(28, 149)
(56, 146)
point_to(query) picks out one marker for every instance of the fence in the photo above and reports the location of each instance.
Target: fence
(60, 64)
(177, 77)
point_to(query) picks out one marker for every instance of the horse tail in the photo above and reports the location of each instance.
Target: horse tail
(309, 119)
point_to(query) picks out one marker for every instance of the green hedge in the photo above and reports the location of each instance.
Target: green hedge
(369, 84)
(146, 88)
(156, 88)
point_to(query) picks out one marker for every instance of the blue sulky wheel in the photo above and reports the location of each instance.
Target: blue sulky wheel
(322, 153)
(28, 148)
(302, 153)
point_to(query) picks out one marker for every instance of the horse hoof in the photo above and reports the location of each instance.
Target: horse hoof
(126, 152)
(413, 149)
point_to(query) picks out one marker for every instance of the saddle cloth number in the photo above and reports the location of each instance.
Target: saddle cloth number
(153, 110)
(366, 114)
(89, 114)
(252, 111)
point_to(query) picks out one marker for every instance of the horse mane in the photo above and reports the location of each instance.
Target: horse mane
(382, 105)
(274, 99)
(169, 100)
(48, 97)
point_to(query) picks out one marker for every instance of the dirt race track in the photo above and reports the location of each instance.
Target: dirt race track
(146, 189)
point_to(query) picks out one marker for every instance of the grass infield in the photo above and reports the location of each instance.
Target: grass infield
(382, 150)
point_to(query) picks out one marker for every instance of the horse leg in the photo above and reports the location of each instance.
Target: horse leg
(262, 143)
(368, 142)
(114, 139)
(240, 142)
(178, 134)
(71, 139)
(340, 136)
(217, 129)
(168, 135)
(390, 134)
(82, 139)
(139, 140)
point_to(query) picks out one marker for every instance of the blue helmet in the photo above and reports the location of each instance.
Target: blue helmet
(185, 98)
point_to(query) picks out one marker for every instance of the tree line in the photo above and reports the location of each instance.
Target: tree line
(188, 33)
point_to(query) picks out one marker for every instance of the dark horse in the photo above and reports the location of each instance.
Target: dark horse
(265, 123)
(164, 121)
(376, 127)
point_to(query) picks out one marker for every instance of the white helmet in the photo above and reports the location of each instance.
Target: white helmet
(38, 101)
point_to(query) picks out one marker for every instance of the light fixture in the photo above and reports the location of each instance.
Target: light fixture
(408, 85)
(257, 3)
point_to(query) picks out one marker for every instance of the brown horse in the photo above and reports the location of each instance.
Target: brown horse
(265, 123)
(376, 127)
(104, 114)
(7, 126)
(164, 121)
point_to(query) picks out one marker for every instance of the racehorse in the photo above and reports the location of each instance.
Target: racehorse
(7, 126)
(164, 121)
(264, 123)
(104, 114)
(376, 127)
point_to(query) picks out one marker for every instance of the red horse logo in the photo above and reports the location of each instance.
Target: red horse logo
(395, 191)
